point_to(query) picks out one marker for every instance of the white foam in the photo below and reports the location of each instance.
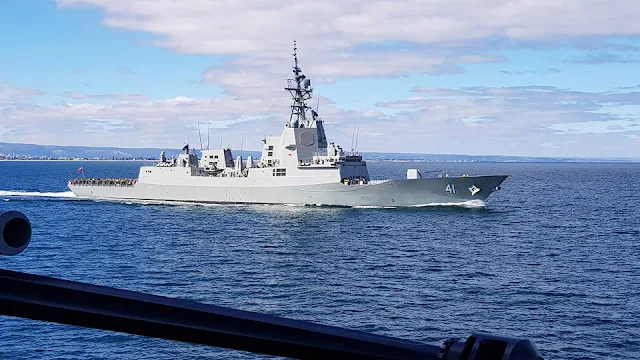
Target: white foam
(69, 194)
(466, 204)
(283, 207)
(158, 202)
(62, 194)
(376, 182)
(373, 207)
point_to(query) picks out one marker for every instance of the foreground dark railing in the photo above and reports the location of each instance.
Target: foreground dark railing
(74, 303)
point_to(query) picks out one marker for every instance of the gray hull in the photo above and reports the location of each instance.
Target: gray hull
(392, 193)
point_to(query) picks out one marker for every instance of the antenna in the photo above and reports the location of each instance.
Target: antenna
(200, 136)
(241, 146)
(300, 89)
(353, 134)
(208, 144)
(357, 134)
(317, 104)
(220, 143)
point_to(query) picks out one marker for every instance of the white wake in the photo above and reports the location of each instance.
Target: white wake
(19, 193)
(472, 204)
(466, 204)
(69, 194)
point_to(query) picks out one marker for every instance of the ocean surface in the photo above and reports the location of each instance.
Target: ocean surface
(553, 257)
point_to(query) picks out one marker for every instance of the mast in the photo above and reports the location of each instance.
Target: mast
(300, 89)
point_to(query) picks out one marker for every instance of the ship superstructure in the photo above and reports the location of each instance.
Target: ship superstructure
(298, 167)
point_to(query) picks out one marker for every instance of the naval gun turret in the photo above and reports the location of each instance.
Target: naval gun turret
(80, 304)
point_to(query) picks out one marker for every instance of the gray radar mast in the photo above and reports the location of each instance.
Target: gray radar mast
(301, 91)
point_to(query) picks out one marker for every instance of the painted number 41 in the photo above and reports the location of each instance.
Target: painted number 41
(451, 189)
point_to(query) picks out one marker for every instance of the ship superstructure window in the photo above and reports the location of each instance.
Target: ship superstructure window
(270, 147)
(270, 153)
(279, 172)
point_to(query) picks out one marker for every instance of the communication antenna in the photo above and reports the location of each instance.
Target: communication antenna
(241, 146)
(300, 89)
(200, 136)
(317, 104)
(357, 134)
(353, 134)
(208, 132)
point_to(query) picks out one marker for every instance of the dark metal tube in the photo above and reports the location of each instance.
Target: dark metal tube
(67, 302)
(15, 232)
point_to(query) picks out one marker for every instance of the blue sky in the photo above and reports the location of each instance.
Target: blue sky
(498, 77)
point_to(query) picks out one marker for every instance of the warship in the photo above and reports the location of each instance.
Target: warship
(299, 167)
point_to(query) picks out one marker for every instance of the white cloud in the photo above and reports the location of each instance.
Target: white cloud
(267, 27)
(10, 94)
(351, 38)
(123, 122)
(355, 38)
(121, 97)
(530, 120)
(514, 120)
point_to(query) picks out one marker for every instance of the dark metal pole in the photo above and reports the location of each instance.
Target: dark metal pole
(68, 302)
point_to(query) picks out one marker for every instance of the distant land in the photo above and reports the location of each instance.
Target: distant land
(17, 151)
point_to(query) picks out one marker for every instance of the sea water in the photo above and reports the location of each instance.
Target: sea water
(553, 257)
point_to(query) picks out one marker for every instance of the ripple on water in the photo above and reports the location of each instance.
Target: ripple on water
(538, 260)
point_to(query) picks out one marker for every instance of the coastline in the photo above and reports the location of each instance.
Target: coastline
(75, 160)
(539, 161)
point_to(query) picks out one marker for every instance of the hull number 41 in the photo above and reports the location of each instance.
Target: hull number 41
(451, 189)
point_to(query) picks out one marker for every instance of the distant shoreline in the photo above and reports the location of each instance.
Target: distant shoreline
(75, 160)
(576, 161)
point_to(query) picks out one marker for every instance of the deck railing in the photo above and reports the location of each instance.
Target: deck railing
(102, 182)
